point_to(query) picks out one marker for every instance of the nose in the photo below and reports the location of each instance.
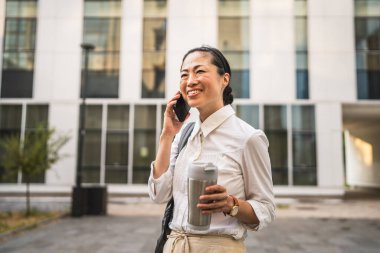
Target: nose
(192, 80)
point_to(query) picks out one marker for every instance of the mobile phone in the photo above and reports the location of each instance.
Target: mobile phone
(181, 109)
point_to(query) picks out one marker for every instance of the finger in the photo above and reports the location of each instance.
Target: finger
(169, 108)
(175, 97)
(215, 188)
(212, 204)
(170, 104)
(211, 211)
(214, 197)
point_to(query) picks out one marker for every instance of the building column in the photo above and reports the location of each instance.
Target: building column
(329, 145)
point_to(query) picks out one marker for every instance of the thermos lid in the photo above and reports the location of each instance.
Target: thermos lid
(203, 171)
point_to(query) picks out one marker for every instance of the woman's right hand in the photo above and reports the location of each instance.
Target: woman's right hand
(171, 124)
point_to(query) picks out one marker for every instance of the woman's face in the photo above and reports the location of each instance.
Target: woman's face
(201, 85)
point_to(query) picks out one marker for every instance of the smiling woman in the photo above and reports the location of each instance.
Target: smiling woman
(242, 198)
(203, 81)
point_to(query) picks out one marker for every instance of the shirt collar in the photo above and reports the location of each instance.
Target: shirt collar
(212, 121)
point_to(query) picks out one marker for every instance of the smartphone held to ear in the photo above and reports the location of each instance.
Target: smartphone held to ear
(181, 109)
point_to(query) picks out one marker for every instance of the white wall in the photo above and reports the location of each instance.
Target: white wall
(190, 24)
(272, 51)
(64, 117)
(58, 52)
(332, 64)
(131, 50)
(362, 155)
(57, 76)
(329, 145)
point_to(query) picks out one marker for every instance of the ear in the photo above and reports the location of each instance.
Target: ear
(226, 79)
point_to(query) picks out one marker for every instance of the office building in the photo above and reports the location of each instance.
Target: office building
(307, 72)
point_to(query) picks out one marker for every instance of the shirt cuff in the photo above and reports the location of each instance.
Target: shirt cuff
(261, 216)
(156, 184)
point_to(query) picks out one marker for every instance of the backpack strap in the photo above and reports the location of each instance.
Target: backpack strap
(185, 136)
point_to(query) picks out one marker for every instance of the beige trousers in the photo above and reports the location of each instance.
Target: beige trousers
(190, 243)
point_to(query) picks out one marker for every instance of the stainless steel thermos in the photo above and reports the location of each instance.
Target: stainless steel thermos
(200, 175)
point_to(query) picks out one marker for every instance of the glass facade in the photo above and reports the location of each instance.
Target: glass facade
(275, 127)
(292, 140)
(92, 144)
(233, 40)
(117, 142)
(101, 28)
(367, 44)
(144, 148)
(121, 139)
(250, 114)
(109, 132)
(12, 123)
(36, 115)
(154, 49)
(19, 47)
(304, 145)
(302, 73)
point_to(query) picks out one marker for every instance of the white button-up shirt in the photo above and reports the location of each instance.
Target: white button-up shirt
(241, 154)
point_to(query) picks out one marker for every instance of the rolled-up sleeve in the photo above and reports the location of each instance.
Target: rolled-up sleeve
(258, 183)
(160, 189)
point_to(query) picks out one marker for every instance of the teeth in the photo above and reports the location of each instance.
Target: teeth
(193, 92)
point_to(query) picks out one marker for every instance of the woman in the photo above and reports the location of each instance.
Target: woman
(243, 197)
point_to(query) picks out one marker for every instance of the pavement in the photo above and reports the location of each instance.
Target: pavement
(133, 224)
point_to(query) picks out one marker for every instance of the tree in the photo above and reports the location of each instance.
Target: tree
(31, 155)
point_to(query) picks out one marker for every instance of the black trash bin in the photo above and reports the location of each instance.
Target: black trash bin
(89, 200)
(96, 198)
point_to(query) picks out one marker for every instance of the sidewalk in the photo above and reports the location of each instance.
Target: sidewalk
(286, 208)
(329, 225)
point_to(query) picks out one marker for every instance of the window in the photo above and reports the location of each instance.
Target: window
(121, 140)
(92, 144)
(275, 123)
(19, 47)
(302, 73)
(11, 124)
(117, 144)
(106, 144)
(144, 146)
(304, 145)
(234, 42)
(249, 113)
(367, 43)
(292, 140)
(36, 115)
(102, 29)
(154, 49)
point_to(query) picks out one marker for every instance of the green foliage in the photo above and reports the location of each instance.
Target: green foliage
(35, 154)
(31, 155)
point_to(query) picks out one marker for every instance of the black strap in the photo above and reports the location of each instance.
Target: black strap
(168, 214)
(185, 136)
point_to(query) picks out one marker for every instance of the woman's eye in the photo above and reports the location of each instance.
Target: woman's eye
(200, 71)
(183, 76)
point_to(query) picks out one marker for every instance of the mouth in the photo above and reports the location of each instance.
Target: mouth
(193, 92)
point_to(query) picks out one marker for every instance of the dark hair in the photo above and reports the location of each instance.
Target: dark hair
(222, 65)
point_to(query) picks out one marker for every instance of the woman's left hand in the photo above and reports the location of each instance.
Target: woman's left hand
(215, 200)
